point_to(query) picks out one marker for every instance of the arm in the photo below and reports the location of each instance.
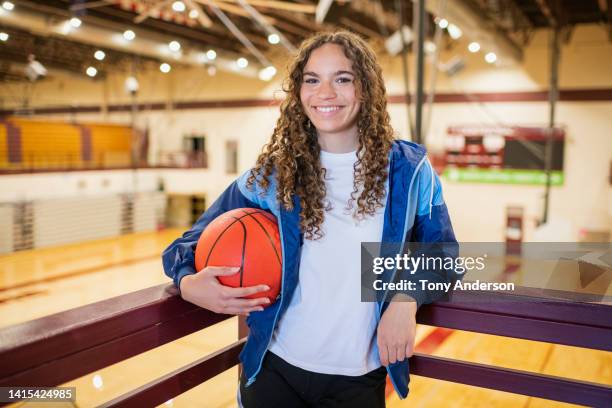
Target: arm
(434, 231)
(397, 327)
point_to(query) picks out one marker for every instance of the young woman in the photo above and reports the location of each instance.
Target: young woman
(334, 177)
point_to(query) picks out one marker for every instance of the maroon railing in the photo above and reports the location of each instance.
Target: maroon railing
(58, 348)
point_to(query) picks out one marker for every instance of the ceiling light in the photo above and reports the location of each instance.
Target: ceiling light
(454, 31)
(7, 5)
(131, 84)
(443, 23)
(165, 68)
(174, 46)
(267, 73)
(178, 6)
(99, 55)
(194, 13)
(129, 35)
(75, 22)
(490, 57)
(91, 71)
(429, 47)
(211, 54)
(97, 381)
(474, 47)
(273, 38)
(242, 62)
(4, 36)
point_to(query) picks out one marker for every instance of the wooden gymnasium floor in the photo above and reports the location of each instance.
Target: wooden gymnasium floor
(40, 282)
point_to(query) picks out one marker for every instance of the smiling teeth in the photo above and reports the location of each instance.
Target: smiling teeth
(327, 108)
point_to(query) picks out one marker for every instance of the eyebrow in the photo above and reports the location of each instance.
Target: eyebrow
(335, 73)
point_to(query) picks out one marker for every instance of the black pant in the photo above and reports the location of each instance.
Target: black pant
(280, 384)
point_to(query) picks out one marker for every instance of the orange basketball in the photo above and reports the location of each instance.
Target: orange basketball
(247, 238)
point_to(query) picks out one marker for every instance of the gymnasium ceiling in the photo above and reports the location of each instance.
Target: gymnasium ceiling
(511, 21)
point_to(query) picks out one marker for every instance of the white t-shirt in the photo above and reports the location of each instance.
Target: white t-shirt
(326, 328)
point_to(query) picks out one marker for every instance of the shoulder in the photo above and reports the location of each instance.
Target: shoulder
(255, 192)
(408, 152)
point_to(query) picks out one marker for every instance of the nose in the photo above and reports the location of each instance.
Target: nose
(326, 90)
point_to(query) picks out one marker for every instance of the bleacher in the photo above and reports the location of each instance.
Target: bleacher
(110, 145)
(33, 145)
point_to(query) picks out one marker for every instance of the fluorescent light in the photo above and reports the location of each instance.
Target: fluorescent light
(242, 62)
(443, 23)
(99, 55)
(273, 38)
(454, 31)
(129, 35)
(178, 6)
(4, 36)
(165, 68)
(211, 54)
(174, 46)
(75, 22)
(490, 57)
(474, 47)
(91, 71)
(7, 5)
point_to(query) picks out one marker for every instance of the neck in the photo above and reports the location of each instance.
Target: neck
(344, 143)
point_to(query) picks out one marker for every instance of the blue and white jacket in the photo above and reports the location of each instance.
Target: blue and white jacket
(415, 211)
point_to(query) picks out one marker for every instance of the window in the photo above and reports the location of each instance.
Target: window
(231, 157)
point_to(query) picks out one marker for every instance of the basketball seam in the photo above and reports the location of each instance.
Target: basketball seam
(267, 234)
(243, 248)
(217, 240)
(221, 234)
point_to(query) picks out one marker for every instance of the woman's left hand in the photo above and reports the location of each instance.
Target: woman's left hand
(396, 332)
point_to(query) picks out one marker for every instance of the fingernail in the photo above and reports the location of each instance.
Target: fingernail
(267, 300)
(266, 287)
(260, 309)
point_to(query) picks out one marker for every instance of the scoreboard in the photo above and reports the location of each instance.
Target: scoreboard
(502, 154)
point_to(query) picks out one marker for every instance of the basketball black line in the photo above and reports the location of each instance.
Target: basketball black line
(269, 237)
(243, 248)
(217, 240)
(265, 214)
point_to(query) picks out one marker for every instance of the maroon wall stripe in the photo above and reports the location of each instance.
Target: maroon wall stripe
(13, 143)
(567, 95)
(86, 148)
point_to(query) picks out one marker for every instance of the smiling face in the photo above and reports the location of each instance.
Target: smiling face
(329, 98)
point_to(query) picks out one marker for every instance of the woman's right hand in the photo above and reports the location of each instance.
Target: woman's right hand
(203, 289)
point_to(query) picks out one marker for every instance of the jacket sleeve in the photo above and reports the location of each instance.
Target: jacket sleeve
(434, 235)
(178, 259)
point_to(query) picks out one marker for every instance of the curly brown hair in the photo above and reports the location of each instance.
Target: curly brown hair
(292, 155)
